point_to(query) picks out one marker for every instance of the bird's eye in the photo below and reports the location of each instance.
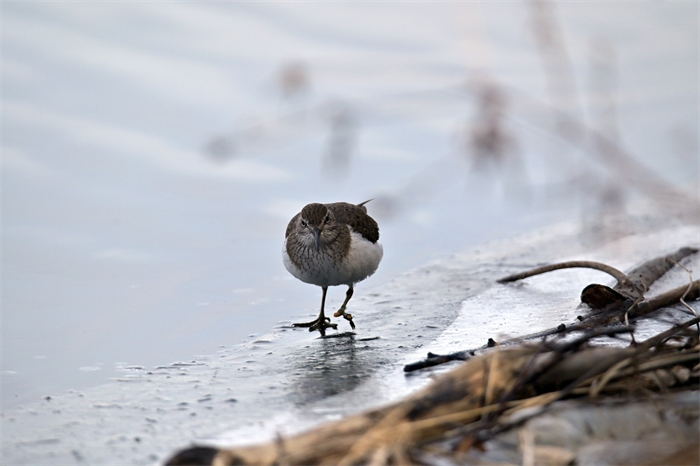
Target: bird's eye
(303, 223)
(327, 219)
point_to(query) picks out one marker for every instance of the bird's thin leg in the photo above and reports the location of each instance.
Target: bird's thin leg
(322, 322)
(341, 311)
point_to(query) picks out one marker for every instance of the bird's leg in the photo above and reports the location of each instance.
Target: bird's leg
(322, 322)
(341, 311)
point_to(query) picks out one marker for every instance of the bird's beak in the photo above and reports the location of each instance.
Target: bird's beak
(317, 237)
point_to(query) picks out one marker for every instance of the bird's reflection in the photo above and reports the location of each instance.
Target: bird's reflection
(330, 366)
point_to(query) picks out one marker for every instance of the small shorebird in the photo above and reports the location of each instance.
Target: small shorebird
(331, 245)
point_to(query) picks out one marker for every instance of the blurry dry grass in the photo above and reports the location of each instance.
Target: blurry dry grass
(491, 142)
(342, 139)
(607, 179)
(294, 79)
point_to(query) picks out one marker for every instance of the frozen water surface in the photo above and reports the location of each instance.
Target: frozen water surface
(152, 154)
(288, 380)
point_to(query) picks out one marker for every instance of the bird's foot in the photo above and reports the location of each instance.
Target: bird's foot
(320, 324)
(347, 316)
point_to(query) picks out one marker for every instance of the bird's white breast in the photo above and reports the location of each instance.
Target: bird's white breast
(323, 269)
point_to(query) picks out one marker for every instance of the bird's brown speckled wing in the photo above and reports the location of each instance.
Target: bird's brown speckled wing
(356, 217)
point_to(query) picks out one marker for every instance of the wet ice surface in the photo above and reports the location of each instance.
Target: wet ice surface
(288, 380)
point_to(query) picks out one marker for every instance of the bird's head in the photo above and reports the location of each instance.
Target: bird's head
(316, 218)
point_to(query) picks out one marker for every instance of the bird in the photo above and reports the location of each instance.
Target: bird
(331, 245)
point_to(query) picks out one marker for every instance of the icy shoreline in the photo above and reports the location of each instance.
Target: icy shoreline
(289, 380)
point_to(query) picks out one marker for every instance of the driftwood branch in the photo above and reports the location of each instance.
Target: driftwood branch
(614, 308)
(631, 286)
(621, 278)
(686, 292)
(641, 309)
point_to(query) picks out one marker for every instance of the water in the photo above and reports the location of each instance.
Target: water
(152, 155)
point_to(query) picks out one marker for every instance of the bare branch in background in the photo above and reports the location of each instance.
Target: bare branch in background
(293, 79)
(555, 59)
(603, 87)
(607, 176)
(608, 191)
(490, 140)
(599, 140)
(342, 139)
(220, 148)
